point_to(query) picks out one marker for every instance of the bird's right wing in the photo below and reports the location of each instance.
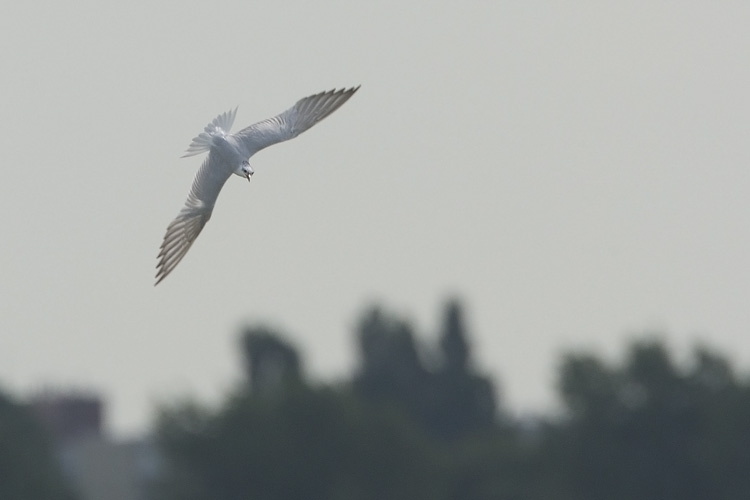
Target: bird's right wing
(183, 231)
(292, 122)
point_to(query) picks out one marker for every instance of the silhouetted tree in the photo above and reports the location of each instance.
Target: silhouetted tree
(453, 341)
(649, 430)
(390, 369)
(447, 397)
(465, 401)
(270, 362)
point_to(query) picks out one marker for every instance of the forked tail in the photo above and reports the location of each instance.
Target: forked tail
(219, 126)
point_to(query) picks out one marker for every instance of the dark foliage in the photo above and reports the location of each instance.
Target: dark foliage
(418, 421)
(270, 362)
(447, 397)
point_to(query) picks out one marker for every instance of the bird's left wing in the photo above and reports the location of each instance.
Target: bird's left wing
(183, 231)
(304, 114)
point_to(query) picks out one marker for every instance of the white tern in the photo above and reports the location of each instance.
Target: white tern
(229, 154)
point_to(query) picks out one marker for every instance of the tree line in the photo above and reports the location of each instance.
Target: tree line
(420, 421)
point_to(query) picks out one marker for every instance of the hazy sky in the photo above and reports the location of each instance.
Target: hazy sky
(576, 174)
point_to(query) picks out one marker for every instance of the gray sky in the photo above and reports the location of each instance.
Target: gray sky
(575, 174)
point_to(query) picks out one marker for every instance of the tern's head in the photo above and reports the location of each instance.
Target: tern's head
(246, 170)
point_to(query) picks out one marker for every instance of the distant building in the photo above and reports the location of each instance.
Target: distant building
(69, 416)
(102, 469)
(98, 467)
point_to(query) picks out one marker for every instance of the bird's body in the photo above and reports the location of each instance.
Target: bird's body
(229, 154)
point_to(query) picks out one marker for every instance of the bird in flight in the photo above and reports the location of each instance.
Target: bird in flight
(229, 154)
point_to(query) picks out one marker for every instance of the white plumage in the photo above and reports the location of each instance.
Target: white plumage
(229, 154)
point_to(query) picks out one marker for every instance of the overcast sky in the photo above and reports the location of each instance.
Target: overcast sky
(576, 175)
